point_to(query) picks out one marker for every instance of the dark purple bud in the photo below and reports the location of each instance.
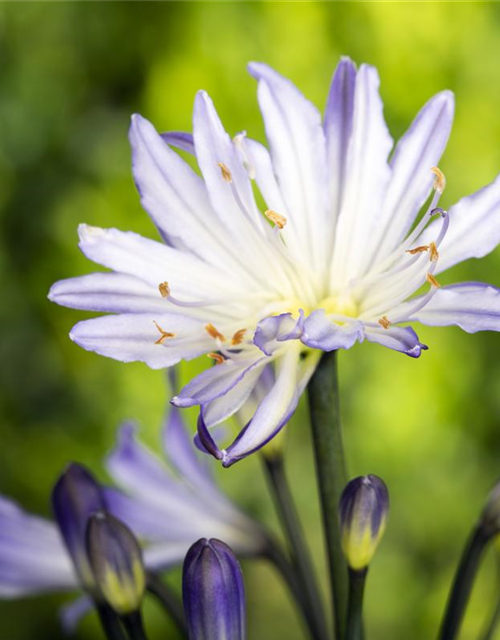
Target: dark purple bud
(213, 592)
(116, 561)
(363, 513)
(75, 497)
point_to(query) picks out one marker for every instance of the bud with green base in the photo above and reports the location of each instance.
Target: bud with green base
(364, 506)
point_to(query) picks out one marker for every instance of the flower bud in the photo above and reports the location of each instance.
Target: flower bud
(116, 561)
(213, 592)
(76, 495)
(363, 513)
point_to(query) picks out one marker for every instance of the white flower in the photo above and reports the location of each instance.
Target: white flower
(331, 261)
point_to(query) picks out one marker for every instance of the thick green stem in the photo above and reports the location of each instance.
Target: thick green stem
(169, 600)
(301, 559)
(110, 622)
(134, 626)
(462, 585)
(354, 622)
(489, 632)
(331, 472)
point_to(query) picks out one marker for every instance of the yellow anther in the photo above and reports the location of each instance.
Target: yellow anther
(434, 252)
(420, 249)
(432, 280)
(278, 219)
(384, 322)
(226, 174)
(219, 359)
(164, 334)
(440, 180)
(238, 337)
(164, 289)
(213, 333)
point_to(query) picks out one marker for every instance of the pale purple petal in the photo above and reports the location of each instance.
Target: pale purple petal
(402, 339)
(338, 127)
(321, 332)
(416, 153)
(298, 151)
(216, 381)
(273, 412)
(472, 306)
(179, 139)
(33, 557)
(108, 292)
(133, 337)
(474, 229)
(173, 194)
(275, 329)
(71, 614)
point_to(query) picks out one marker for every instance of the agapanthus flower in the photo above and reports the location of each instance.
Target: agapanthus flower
(168, 507)
(337, 255)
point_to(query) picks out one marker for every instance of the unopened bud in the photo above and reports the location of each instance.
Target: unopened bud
(363, 513)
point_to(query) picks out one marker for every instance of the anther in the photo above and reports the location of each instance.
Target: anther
(385, 322)
(164, 334)
(219, 359)
(226, 174)
(420, 249)
(164, 289)
(238, 337)
(434, 252)
(213, 333)
(278, 219)
(440, 180)
(432, 280)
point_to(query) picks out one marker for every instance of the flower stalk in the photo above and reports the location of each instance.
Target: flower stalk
(302, 562)
(331, 472)
(354, 621)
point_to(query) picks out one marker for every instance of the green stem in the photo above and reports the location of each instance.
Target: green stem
(493, 624)
(354, 622)
(331, 472)
(301, 559)
(169, 600)
(134, 626)
(110, 623)
(462, 585)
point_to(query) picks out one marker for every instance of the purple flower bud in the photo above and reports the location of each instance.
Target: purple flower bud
(363, 513)
(75, 497)
(116, 561)
(213, 592)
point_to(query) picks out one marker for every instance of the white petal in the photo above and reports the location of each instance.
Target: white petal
(416, 153)
(367, 177)
(132, 337)
(472, 306)
(298, 151)
(108, 292)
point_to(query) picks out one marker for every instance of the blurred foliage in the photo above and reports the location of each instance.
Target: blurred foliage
(71, 75)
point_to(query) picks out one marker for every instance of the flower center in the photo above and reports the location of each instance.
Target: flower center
(341, 304)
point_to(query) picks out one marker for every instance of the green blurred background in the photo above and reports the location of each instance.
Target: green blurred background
(70, 76)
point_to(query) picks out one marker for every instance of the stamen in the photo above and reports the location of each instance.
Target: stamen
(238, 337)
(239, 143)
(212, 332)
(164, 289)
(440, 181)
(219, 359)
(385, 322)
(164, 334)
(226, 174)
(434, 252)
(424, 247)
(279, 220)
(432, 280)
